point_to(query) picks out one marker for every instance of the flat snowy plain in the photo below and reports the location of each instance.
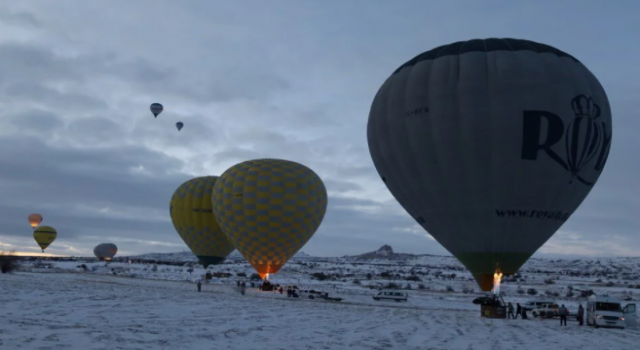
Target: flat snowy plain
(64, 307)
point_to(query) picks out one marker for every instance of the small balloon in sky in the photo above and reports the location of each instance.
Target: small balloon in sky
(44, 236)
(35, 219)
(156, 109)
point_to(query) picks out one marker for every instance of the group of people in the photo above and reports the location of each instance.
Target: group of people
(563, 312)
(519, 311)
(241, 287)
(292, 292)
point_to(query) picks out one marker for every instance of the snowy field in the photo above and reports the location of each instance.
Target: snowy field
(131, 306)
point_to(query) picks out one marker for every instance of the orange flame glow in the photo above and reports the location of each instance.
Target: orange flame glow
(497, 278)
(266, 276)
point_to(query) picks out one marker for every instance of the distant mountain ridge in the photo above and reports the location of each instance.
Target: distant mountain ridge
(384, 253)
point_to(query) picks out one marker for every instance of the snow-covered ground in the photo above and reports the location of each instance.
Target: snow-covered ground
(60, 305)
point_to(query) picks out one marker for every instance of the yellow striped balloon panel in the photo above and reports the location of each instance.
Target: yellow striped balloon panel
(193, 219)
(269, 209)
(44, 236)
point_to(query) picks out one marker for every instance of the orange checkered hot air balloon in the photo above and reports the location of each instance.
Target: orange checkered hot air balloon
(269, 209)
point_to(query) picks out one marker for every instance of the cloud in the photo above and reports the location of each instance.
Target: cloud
(19, 18)
(79, 144)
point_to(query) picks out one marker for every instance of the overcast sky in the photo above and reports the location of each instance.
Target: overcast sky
(284, 79)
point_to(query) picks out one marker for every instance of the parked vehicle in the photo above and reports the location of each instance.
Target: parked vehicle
(391, 295)
(606, 311)
(534, 304)
(546, 310)
(312, 294)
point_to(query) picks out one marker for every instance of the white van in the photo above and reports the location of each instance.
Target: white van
(396, 295)
(606, 311)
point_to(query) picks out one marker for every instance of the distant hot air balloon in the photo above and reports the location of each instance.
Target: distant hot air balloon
(269, 209)
(35, 220)
(179, 125)
(193, 218)
(490, 145)
(156, 109)
(44, 236)
(105, 251)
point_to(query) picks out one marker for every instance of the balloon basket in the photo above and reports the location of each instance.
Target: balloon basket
(493, 311)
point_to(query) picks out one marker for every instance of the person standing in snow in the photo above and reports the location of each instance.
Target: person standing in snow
(580, 315)
(199, 285)
(518, 310)
(563, 312)
(242, 287)
(510, 313)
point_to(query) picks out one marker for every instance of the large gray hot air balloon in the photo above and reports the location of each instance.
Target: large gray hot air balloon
(490, 145)
(105, 251)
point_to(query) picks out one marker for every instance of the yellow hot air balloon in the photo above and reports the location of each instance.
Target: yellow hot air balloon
(44, 236)
(35, 219)
(193, 218)
(269, 209)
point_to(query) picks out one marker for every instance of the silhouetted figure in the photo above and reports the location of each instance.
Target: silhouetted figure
(563, 312)
(199, 285)
(510, 313)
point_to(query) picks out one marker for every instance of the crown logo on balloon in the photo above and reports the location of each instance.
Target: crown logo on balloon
(584, 106)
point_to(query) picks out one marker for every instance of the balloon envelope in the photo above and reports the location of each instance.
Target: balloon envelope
(105, 251)
(490, 145)
(194, 221)
(44, 236)
(269, 209)
(179, 125)
(35, 219)
(156, 109)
